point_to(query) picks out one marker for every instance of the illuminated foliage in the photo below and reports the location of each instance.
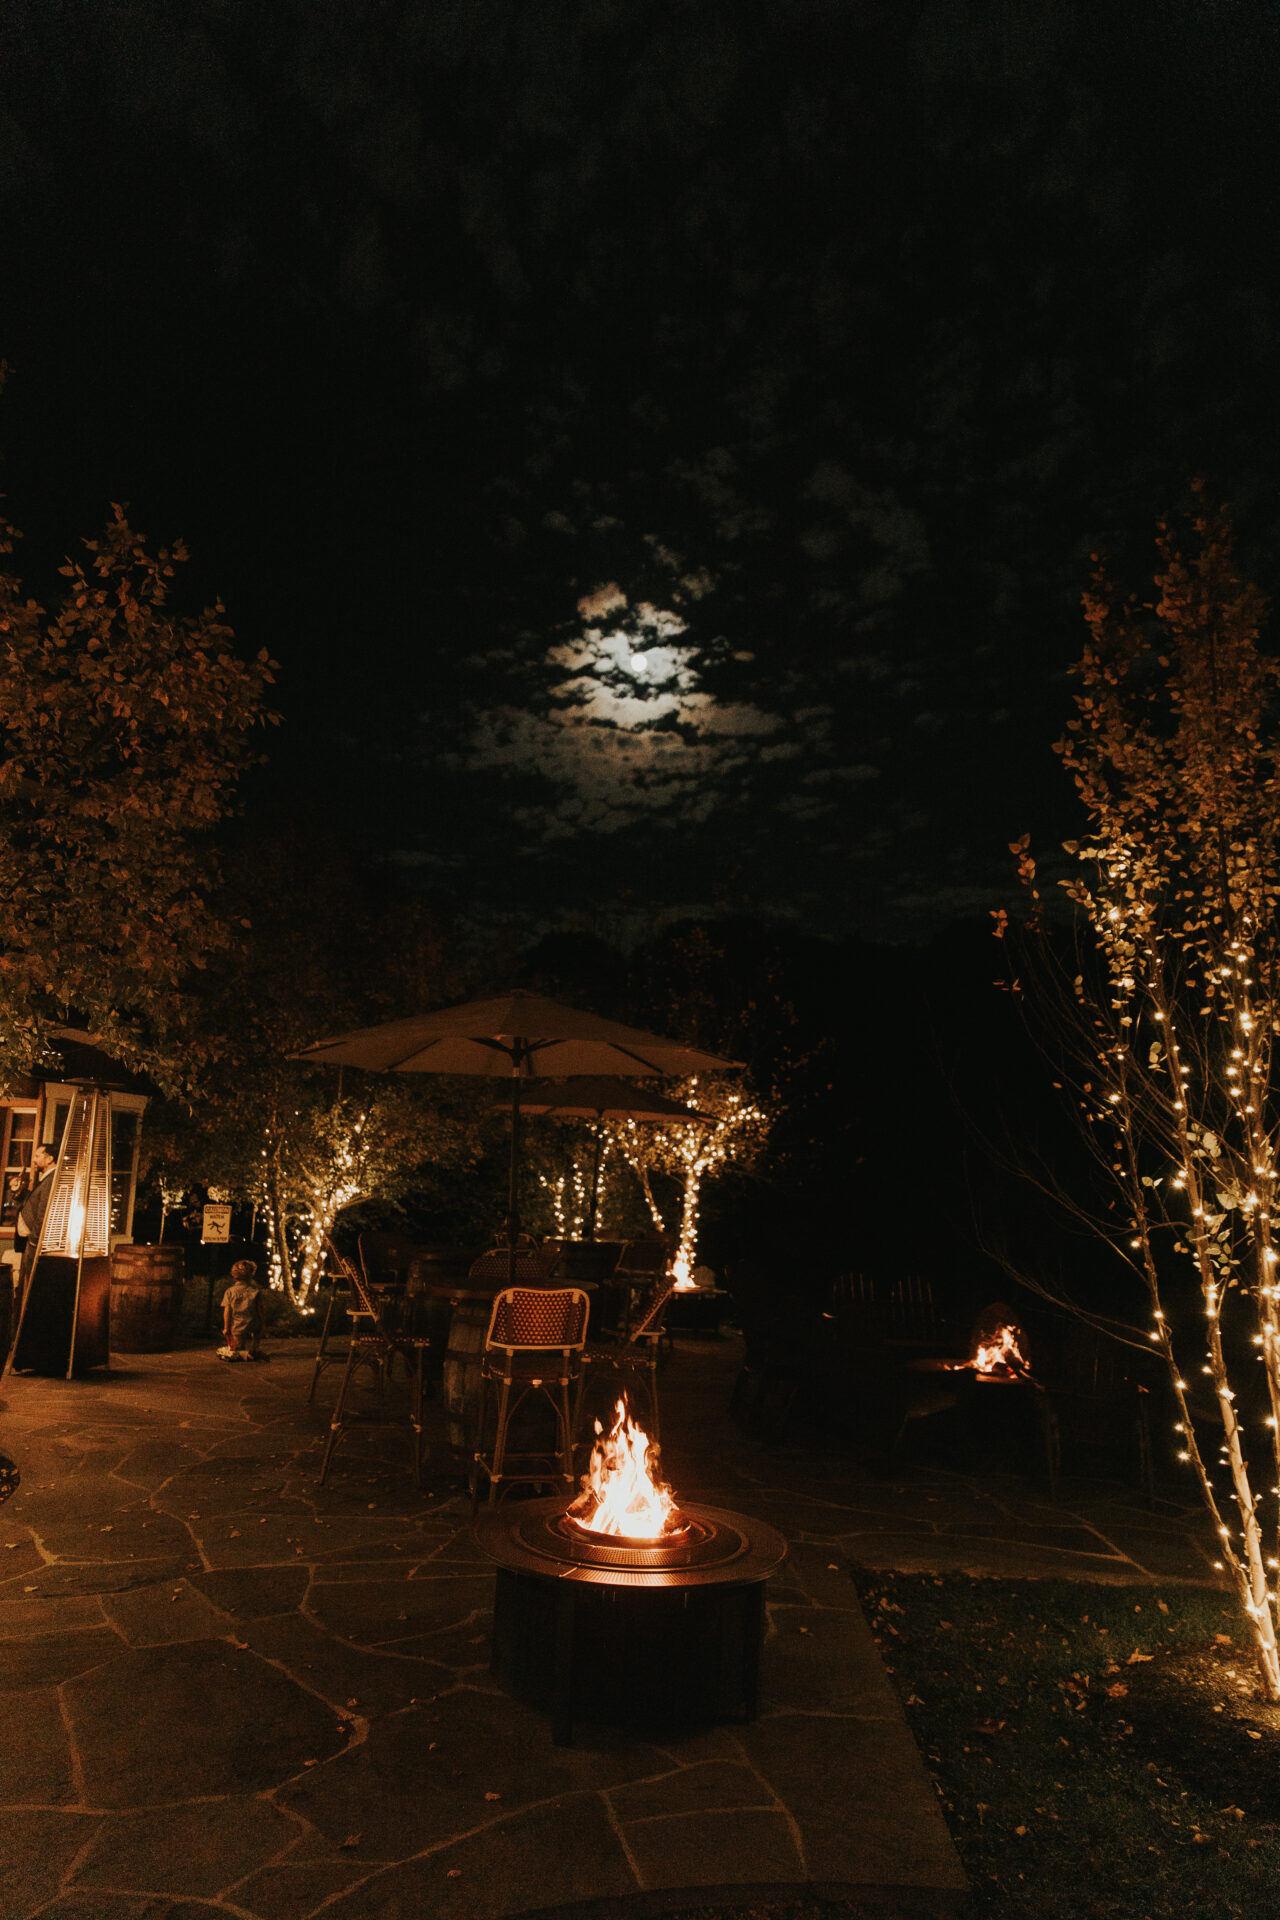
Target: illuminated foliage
(1171, 1017)
(737, 1134)
(125, 727)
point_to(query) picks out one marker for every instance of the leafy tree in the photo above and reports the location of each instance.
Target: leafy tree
(124, 727)
(1170, 1016)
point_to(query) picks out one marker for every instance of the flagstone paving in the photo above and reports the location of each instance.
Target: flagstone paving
(228, 1690)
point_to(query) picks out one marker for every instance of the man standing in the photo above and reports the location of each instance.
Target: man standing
(32, 1211)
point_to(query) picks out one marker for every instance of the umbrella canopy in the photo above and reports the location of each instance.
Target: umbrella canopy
(517, 1034)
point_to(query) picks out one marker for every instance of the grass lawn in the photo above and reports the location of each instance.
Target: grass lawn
(1099, 1751)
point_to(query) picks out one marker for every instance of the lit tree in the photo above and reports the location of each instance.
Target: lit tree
(1175, 754)
(123, 729)
(736, 1132)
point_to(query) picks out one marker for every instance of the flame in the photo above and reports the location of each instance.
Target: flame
(685, 1282)
(621, 1493)
(1000, 1352)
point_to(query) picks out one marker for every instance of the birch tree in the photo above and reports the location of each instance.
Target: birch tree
(1175, 1008)
(736, 1132)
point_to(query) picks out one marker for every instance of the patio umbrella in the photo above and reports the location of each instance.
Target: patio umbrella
(517, 1035)
(600, 1099)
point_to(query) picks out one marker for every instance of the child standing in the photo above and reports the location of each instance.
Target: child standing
(243, 1313)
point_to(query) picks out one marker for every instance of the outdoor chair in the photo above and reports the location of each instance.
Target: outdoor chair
(339, 1302)
(533, 1347)
(1097, 1410)
(373, 1343)
(534, 1263)
(640, 1264)
(632, 1358)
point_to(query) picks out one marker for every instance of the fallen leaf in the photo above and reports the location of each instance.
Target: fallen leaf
(454, 1873)
(352, 1840)
(1019, 1831)
(493, 1796)
(353, 1703)
(1135, 1657)
(1252, 1735)
(1116, 1691)
(1223, 1640)
(1162, 1606)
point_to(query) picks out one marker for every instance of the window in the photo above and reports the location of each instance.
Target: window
(19, 1139)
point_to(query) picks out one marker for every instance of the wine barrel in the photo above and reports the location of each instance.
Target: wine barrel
(146, 1298)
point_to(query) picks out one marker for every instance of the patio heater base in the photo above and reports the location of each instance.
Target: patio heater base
(57, 1323)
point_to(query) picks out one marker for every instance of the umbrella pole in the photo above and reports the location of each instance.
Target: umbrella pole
(513, 1201)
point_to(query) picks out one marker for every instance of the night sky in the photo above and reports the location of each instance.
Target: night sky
(662, 443)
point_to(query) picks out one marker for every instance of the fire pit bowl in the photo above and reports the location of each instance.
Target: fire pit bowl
(661, 1631)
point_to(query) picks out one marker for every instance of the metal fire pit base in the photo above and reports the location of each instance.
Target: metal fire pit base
(662, 1636)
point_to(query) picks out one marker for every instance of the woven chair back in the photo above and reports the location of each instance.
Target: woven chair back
(650, 1321)
(538, 1317)
(644, 1256)
(351, 1273)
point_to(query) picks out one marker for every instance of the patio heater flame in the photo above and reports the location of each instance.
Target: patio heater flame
(621, 1492)
(685, 1282)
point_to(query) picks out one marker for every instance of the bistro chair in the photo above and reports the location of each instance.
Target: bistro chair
(533, 1347)
(632, 1358)
(642, 1264)
(534, 1263)
(340, 1301)
(373, 1343)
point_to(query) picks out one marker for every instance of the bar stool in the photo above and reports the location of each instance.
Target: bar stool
(326, 1356)
(535, 1337)
(372, 1343)
(635, 1357)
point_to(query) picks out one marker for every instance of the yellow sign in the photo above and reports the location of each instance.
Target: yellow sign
(215, 1224)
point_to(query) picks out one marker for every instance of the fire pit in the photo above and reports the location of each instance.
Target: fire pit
(620, 1604)
(998, 1349)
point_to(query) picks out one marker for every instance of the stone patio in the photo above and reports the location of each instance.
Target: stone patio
(231, 1691)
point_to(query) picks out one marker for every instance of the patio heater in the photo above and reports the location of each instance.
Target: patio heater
(63, 1326)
